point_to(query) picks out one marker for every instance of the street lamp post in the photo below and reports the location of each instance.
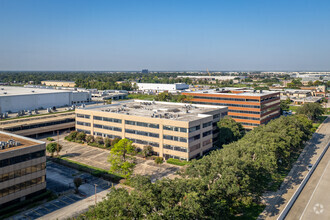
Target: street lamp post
(95, 194)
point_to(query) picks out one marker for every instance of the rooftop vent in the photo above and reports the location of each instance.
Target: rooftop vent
(10, 143)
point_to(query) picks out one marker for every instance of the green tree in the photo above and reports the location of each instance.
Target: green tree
(312, 110)
(164, 96)
(229, 130)
(284, 105)
(52, 148)
(89, 138)
(159, 160)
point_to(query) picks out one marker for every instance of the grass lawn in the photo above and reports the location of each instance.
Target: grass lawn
(293, 108)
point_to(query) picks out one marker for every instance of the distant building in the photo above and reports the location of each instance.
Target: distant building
(14, 99)
(22, 168)
(58, 83)
(174, 130)
(213, 79)
(158, 87)
(101, 95)
(145, 71)
(249, 107)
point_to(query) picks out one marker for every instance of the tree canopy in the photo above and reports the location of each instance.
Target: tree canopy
(312, 110)
(219, 185)
(229, 130)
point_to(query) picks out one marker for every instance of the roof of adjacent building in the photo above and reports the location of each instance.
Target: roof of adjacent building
(14, 91)
(58, 81)
(23, 141)
(226, 91)
(166, 110)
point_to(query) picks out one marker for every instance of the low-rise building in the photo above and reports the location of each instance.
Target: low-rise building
(14, 99)
(22, 168)
(159, 87)
(58, 83)
(249, 107)
(174, 130)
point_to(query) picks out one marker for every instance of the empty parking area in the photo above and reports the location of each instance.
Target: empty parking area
(60, 181)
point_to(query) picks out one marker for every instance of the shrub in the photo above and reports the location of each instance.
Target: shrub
(177, 162)
(50, 139)
(115, 141)
(99, 140)
(159, 160)
(90, 138)
(81, 136)
(107, 142)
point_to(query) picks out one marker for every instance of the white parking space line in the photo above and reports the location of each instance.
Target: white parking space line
(302, 215)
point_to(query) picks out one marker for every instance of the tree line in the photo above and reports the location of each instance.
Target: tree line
(218, 186)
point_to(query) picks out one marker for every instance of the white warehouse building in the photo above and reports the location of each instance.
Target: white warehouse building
(14, 99)
(159, 87)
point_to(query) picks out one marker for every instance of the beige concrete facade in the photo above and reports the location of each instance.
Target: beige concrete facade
(185, 134)
(59, 83)
(22, 168)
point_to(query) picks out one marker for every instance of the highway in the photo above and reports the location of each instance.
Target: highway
(314, 201)
(276, 201)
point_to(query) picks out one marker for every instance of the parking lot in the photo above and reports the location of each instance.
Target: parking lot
(60, 181)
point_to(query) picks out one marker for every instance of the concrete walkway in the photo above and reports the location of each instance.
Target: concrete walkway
(276, 201)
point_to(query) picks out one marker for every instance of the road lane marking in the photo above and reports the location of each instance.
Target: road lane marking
(314, 191)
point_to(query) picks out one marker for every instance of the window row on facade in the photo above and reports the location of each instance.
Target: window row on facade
(176, 148)
(111, 128)
(115, 120)
(142, 124)
(243, 117)
(106, 135)
(21, 186)
(227, 99)
(83, 123)
(22, 172)
(143, 133)
(227, 104)
(245, 112)
(138, 141)
(175, 138)
(21, 158)
(83, 116)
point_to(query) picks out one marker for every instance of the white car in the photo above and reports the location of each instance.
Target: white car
(309, 167)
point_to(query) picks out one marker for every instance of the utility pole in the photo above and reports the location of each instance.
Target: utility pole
(95, 194)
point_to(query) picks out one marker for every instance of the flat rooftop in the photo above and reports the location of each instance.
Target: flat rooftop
(13, 91)
(23, 141)
(226, 91)
(166, 110)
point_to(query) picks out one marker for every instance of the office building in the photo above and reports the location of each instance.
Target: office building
(174, 130)
(249, 107)
(22, 168)
(14, 99)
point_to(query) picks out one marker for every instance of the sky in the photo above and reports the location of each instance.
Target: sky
(128, 35)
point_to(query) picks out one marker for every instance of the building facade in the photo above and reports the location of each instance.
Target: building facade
(58, 83)
(14, 99)
(22, 168)
(250, 108)
(174, 130)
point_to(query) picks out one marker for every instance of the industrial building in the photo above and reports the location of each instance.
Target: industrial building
(22, 168)
(174, 130)
(14, 99)
(159, 87)
(213, 79)
(58, 83)
(249, 107)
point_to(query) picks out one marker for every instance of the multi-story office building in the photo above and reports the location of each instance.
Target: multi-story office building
(249, 107)
(58, 83)
(22, 168)
(174, 130)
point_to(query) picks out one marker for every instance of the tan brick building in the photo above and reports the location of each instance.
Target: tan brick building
(22, 168)
(174, 130)
(59, 83)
